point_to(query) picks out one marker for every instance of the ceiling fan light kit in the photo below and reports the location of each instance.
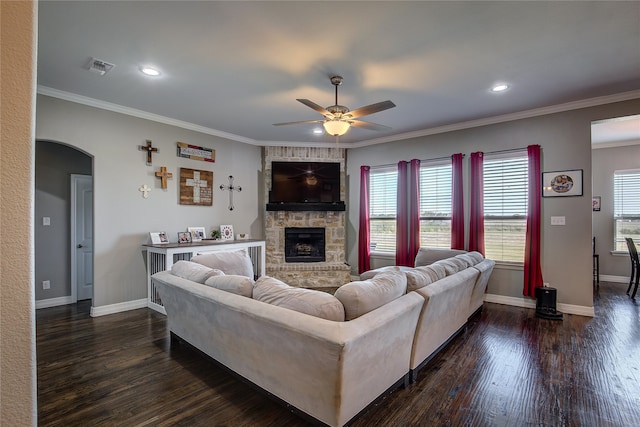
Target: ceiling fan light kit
(336, 127)
(338, 118)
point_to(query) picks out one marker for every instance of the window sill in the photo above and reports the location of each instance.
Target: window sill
(619, 253)
(383, 255)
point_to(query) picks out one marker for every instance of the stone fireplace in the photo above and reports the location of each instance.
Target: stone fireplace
(303, 269)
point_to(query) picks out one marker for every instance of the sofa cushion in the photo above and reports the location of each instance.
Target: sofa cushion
(450, 267)
(194, 271)
(364, 296)
(239, 285)
(231, 262)
(315, 303)
(466, 260)
(427, 256)
(371, 273)
(476, 256)
(420, 277)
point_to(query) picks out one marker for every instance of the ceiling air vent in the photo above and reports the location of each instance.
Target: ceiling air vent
(99, 66)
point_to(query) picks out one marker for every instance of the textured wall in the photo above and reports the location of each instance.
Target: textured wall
(17, 329)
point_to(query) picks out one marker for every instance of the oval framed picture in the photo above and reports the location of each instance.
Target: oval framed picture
(562, 183)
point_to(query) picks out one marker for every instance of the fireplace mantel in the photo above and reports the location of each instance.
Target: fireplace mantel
(306, 207)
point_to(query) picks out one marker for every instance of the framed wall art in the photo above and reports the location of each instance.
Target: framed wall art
(562, 183)
(196, 187)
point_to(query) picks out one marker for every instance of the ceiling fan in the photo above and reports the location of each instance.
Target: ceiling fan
(338, 118)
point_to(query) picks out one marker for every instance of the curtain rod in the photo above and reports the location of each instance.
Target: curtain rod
(422, 160)
(510, 150)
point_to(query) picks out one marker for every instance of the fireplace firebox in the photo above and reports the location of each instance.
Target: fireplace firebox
(304, 244)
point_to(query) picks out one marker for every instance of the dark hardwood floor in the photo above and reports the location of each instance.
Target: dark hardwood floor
(508, 369)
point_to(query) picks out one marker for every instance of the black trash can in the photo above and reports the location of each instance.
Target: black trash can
(546, 303)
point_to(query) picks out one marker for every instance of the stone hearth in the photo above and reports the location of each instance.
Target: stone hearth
(334, 271)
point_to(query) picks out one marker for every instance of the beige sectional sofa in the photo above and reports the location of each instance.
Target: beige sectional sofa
(328, 356)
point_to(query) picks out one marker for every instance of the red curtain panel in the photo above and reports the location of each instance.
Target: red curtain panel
(532, 249)
(457, 203)
(364, 245)
(476, 214)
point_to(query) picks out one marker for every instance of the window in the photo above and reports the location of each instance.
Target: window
(505, 206)
(626, 207)
(435, 204)
(383, 189)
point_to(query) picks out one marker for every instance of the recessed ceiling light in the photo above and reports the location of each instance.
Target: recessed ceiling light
(500, 87)
(150, 71)
(318, 131)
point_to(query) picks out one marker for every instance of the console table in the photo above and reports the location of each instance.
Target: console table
(162, 257)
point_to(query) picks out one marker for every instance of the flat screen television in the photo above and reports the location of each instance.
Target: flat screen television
(310, 183)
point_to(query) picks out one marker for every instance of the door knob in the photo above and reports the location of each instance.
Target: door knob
(79, 246)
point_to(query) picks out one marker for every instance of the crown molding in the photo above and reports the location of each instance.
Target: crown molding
(575, 105)
(92, 102)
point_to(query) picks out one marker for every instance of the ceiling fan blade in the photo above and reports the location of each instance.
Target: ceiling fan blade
(316, 107)
(298, 123)
(370, 109)
(368, 125)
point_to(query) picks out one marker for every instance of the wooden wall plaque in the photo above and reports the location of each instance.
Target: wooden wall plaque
(196, 187)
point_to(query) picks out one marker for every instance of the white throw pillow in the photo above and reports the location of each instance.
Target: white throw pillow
(194, 271)
(239, 285)
(231, 262)
(315, 303)
(364, 296)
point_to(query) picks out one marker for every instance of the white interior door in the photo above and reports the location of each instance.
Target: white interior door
(82, 237)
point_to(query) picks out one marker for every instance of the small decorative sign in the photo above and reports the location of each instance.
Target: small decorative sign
(595, 203)
(194, 152)
(196, 187)
(226, 232)
(158, 237)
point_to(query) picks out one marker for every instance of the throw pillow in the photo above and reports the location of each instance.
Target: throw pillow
(314, 303)
(193, 271)
(231, 262)
(239, 285)
(364, 296)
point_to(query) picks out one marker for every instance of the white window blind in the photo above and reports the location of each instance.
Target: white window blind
(435, 204)
(505, 206)
(383, 189)
(626, 207)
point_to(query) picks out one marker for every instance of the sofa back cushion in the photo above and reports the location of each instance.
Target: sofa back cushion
(230, 262)
(420, 277)
(239, 285)
(450, 266)
(315, 303)
(361, 297)
(427, 256)
(194, 271)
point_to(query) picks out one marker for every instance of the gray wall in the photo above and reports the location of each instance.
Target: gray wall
(605, 162)
(54, 165)
(565, 139)
(122, 218)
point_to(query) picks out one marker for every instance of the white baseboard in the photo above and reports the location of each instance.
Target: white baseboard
(118, 308)
(580, 310)
(615, 279)
(53, 302)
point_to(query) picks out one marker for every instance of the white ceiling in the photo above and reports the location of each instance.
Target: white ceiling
(234, 68)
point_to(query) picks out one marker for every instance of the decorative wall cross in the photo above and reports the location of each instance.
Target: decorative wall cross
(197, 184)
(144, 189)
(231, 189)
(163, 175)
(150, 150)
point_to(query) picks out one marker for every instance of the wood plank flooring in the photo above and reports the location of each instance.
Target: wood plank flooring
(508, 369)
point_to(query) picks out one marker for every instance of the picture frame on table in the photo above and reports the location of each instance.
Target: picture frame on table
(564, 183)
(226, 232)
(158, 237)
(243, 236)
(184, 237)
(197, 233)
